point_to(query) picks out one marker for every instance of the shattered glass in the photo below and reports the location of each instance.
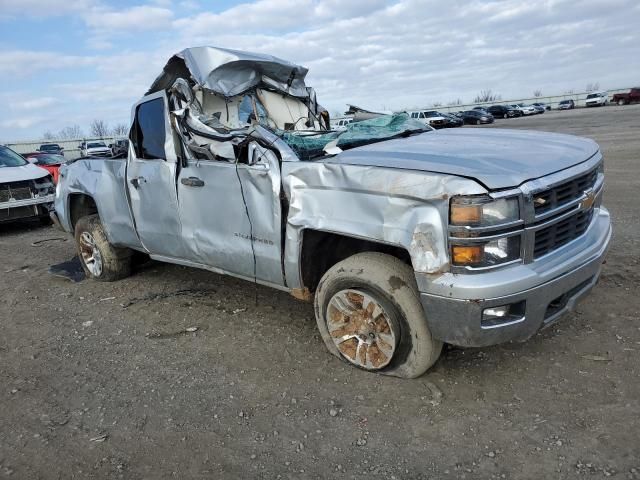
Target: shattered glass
(311, 145)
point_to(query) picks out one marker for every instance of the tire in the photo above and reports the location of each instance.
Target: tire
(621, 102)
(390, 284)
(99, 259)
(505, 115)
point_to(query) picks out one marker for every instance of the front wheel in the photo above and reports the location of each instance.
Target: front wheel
(369, 314)
(621, 102)
(100, 260)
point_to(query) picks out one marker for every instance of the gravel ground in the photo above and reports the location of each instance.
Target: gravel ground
(103, 381)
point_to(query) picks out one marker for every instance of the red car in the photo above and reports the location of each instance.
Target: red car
(48, 161)
(633, 96)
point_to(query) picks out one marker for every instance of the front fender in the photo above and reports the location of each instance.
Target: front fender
(403, 208)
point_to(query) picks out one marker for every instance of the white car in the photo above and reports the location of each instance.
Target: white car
(94, 149)
(429, 117)
(596, 99)
(524, 108)
(340, 124)
(26, 191)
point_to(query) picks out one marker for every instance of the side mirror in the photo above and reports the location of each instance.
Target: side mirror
(31, 160)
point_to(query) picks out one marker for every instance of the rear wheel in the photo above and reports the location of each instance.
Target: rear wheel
(100, 260)
(369, 314)
(505, 115)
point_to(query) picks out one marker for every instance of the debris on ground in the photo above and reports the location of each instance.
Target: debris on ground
(37, 243)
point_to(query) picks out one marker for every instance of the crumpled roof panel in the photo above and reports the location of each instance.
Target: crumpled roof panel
(231, 72)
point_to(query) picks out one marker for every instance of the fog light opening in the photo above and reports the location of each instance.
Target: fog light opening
(502, 315)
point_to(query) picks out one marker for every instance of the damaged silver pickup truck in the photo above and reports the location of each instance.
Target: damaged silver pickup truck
(404, 237)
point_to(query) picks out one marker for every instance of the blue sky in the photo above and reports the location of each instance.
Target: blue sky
(68, 62)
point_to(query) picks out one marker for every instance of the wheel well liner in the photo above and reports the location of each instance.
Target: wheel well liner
(321, 250)
(80, 205)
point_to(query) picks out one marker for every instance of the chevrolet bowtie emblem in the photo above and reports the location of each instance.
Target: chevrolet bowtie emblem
(589, 200)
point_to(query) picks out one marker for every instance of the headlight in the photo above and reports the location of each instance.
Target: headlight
(483, 211)
(486, 254)
(482, 231)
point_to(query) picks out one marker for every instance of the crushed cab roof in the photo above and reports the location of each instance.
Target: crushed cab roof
(232, 72)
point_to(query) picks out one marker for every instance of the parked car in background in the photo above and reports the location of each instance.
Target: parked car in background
(452, 121)
(632, 96)
(481, 109)
(476, 117)
(566, 105)
(544, 106)
(94, 149)
(52, 148)
(49, 162)
(339, 124)
(26, 191)
(429, 117)
(539, 108)
(119, 148)
(503, 111)
(524, 108)
(596, 99)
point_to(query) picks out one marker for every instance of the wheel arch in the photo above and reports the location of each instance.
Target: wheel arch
(80, 205)
(321, 250)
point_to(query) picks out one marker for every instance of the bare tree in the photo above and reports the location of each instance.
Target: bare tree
(486, 96)
(591, 87)
(48, 135)
(120, 130)
(452, 103)
(437, 104)
(569, 92)
(537, 93)
(99, 128)
(71, 132)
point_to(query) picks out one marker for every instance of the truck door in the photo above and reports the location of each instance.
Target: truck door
(231, 211)
(151, 179)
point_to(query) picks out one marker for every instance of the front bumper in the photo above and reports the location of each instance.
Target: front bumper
(543, 291)
(16, 209)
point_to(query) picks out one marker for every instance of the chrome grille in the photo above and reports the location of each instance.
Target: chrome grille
(558, 234)
(564, 193)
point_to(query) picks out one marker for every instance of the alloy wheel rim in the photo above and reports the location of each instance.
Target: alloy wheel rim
(361, 329)
(91, 256)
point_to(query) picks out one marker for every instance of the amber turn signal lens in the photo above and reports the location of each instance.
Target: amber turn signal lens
(465, 214)
(467, 255)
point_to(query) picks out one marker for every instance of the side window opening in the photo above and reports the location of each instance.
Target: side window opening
(148, 132)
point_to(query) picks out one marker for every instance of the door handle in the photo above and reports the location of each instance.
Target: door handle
(136, 182)
(192, 182)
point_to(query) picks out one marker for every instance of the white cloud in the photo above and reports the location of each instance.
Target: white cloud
(133, 19)
(28, 62)
(21, 123)
(32, 103)
(43, 8)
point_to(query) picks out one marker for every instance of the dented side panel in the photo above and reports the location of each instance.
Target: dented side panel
(397, 207)
(103, 180)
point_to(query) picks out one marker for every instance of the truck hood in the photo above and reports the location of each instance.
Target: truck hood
(25, 172)
(497, 158)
